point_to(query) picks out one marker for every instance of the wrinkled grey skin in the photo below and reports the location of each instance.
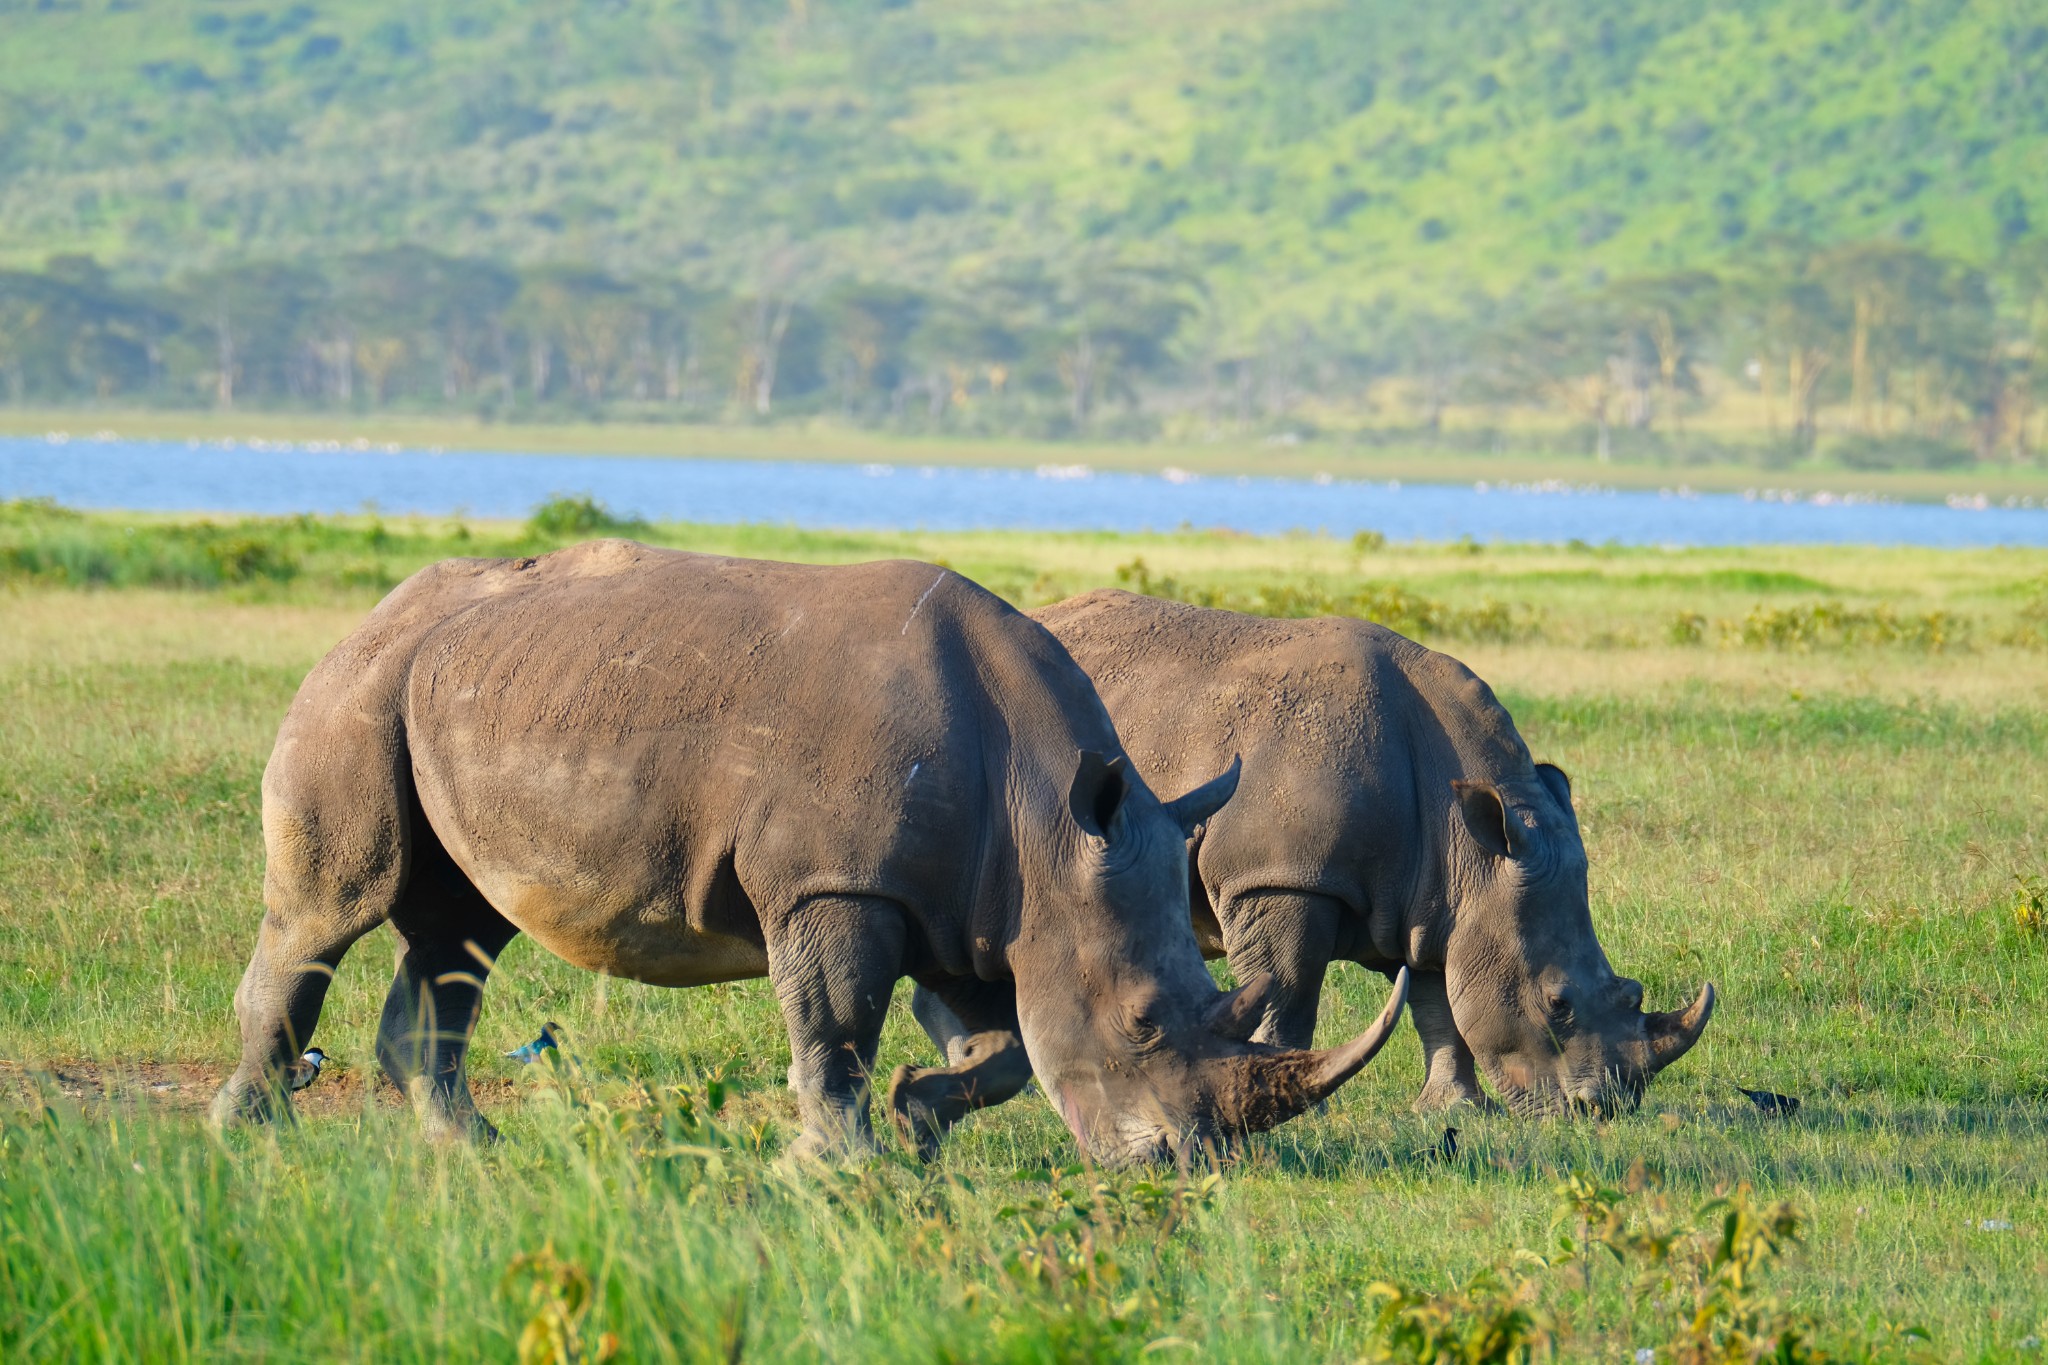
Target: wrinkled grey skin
(1389, 815)
(687, 769)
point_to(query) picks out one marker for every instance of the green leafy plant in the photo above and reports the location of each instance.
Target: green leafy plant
(2030, 906)
(1698, 1286)
(1492, 1319)
(566, 516)
(1391, 605)
(558, 1294)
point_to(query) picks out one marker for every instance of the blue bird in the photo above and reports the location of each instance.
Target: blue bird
(306, 1070)
(529, 1053)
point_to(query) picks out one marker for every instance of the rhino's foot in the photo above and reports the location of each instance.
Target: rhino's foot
(453, 1129)
(244, 1102)
(813, 1148)
(447, 1118)
(926, 1101)
(1436, 1098)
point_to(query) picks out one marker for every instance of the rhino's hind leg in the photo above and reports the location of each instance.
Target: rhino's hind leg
(983, 1067)
(449, 938)
(278, 1003)
(1453, 1077)
(834, 962)
(1289, 936)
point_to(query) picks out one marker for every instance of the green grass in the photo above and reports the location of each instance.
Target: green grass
(1832, 831)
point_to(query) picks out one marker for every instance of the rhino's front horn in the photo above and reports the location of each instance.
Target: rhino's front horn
(1265, 1089)
(1673, 1034)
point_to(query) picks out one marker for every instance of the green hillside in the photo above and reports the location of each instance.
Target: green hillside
(1296, 152)
(1240, 171)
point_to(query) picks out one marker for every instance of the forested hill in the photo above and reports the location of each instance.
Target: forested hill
(1295, 154)
(1761, 224)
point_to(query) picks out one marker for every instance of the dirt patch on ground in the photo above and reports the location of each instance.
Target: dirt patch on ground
(187, 1087)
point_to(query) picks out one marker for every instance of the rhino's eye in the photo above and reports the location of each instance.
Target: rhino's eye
(1142, 1030)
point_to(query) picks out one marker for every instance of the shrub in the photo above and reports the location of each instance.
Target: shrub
(566, 516)
(1390, 604)
(1822, 624)
(1898, 452)
(1698, 1287)
(1687, 628)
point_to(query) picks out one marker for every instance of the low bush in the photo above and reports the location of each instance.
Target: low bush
(1389, 604)
(1897, 452)
(1698, 1290)
(574, 516)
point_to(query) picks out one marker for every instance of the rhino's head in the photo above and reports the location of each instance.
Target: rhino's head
(1552, 1026)
(1142, 1055)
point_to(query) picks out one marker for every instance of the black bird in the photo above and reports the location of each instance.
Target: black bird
(1446, 1149)
(1770, 1102)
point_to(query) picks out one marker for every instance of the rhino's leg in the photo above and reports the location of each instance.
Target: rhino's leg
(974, 1023)
(278, 1003)
(1288, 935)
(834, 962)
(1453, 1078)
(336, 821)
(449, 937)
(948, 1034)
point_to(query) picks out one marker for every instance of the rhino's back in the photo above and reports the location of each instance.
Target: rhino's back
(1343, 724)
(617, 743)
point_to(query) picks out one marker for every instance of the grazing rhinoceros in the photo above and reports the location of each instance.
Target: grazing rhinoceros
(685, 769)
(1389, 815)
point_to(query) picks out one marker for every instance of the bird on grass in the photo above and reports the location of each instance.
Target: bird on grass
(306, 1070)
(1445, 1150)
(528, 1053)
(1770, 1102)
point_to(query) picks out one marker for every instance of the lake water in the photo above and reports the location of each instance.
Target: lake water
(282, 477)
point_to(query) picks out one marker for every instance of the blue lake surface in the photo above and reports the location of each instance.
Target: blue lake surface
(275, 477)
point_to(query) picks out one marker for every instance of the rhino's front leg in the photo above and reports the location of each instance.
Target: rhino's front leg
(1289, 936)
(834, 962)
(1453, 1079)
(974, 1025)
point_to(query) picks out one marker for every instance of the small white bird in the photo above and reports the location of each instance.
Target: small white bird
(528, 1053)
(306, 1070)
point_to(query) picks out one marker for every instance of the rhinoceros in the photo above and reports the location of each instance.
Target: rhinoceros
(685, 769)
(1389, 815)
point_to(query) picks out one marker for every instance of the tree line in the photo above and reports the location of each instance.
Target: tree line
(1877, 352)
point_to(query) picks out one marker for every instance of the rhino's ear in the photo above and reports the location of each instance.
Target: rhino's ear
(1099, 789)
(1190, 812)
(1554, 778)
(1486, 815)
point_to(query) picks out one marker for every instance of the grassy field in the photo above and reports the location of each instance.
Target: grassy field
(1812, 776)
(1534, 456)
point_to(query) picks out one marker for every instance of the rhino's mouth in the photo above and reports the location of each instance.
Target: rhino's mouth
(1608, 1096)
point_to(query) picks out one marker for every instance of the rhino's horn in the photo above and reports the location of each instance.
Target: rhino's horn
(1340, 1064)
(1265, 1089)
(1237, 1014)
(1672, 1034)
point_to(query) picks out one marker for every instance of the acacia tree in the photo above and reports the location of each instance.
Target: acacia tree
(248, 320)
(1794, 327)
(1564, 351)
(1666, 320)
